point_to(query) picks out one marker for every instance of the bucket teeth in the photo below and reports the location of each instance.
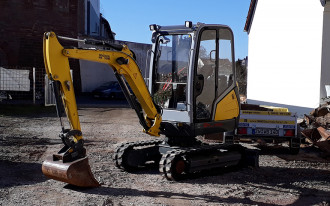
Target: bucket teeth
(76, 173)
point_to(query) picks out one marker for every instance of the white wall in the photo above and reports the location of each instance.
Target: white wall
(94, 74)
(285, 43)
(325, 75)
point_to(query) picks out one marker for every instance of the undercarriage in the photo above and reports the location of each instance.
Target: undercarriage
(177, 162)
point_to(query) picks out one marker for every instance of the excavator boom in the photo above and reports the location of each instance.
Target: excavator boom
(70, 164)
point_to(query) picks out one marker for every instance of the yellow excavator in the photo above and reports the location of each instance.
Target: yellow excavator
(192, 91)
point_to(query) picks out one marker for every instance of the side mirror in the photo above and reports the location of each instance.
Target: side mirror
(199, 84)
(164, 40)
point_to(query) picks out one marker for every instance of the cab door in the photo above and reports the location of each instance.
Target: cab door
(215, 90)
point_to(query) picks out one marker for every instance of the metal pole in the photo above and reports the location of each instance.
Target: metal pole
(46, 88)
(34, 85)
(71, 39)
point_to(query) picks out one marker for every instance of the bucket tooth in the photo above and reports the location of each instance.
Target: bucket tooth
(76, 173)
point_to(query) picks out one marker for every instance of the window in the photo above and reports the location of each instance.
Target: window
(171, 65)
(225, 64)
(206, 70)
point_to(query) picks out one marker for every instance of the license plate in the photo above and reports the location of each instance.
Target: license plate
(263, 131)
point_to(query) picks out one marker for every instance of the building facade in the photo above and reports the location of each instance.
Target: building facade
(288, 53)
(23, 23)
(95, 74)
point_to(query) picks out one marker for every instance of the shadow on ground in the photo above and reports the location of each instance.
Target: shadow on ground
(272, 179)
(307, 153)
(18, 173)
(27, 111)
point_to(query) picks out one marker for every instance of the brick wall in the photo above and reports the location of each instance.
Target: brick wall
(23, 22)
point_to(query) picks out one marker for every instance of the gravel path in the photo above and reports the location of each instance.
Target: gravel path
(25, 141)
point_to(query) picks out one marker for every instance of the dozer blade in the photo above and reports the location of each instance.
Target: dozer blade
(76, 173)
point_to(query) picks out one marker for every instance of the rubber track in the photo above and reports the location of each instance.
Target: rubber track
(120, 151)
(167, 158)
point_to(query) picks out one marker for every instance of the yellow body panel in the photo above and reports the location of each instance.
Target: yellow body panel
(266, 113)
(227, 108)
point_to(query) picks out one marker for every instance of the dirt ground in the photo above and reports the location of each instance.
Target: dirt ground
(27, 138)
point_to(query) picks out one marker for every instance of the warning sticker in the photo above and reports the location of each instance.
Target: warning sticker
(266, 121)
(265, 113)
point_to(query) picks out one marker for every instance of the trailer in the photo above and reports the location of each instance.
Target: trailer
(270, 124)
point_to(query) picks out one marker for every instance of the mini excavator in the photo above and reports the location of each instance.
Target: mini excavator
(192, 91)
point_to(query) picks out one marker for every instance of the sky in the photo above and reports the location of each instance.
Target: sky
(130, 19)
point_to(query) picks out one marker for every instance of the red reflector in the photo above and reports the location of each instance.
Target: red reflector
(289, 132)
(242, 130)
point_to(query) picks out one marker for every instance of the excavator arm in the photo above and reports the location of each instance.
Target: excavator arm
(73, 154)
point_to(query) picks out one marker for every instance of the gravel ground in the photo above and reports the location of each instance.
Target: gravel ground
(26, 140)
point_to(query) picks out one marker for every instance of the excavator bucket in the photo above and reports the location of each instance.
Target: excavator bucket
(76, 173)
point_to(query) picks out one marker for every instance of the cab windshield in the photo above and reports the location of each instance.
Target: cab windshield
(171, 71)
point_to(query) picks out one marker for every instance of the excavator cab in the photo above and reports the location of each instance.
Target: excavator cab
(192, 71)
